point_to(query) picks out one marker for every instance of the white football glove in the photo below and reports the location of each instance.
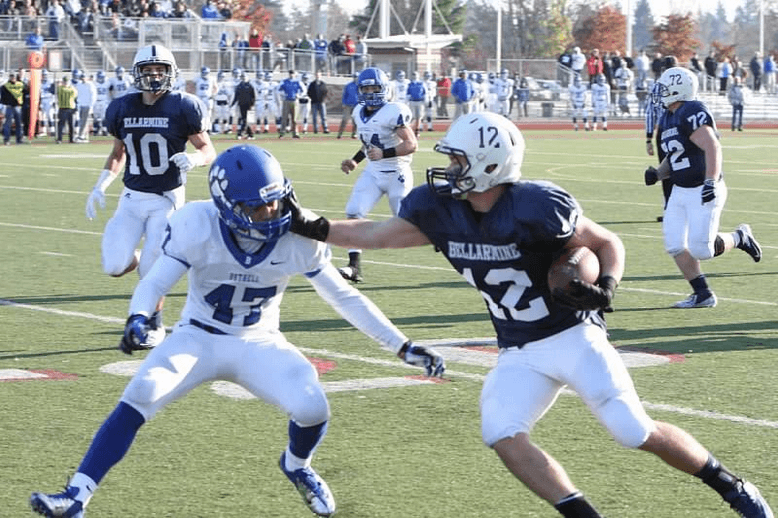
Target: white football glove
(96, 196)
(187, 161)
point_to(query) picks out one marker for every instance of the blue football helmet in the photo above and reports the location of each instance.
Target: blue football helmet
(154, 55)
(220, 76)
(100, 76)
(119, 71)
(373, 77)
(243, 178)
(268, 76)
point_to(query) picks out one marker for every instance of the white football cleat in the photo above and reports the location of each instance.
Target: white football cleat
(314, 490)
(693, 301)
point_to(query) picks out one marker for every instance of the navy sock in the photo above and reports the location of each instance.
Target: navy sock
(576, 506)
(111, 441)
(700, 286)
(303, 440)
(717, 476)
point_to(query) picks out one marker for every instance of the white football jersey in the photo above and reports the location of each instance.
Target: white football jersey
(205, 88)
(431, 89)
(577, 95)
(379, 129)
(103, 94)
(400, 88)
(119, 87)
(503, 88)
(237, 293)
(601, 95)
(223, 92)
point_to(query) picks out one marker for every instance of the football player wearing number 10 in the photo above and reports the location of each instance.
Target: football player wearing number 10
(500, 234)
(151, 128)
(388, 142)
(239, 258)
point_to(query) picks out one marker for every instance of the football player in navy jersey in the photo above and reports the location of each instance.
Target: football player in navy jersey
(690, 141)
(151, 128)
(388, 143)
(501, 234)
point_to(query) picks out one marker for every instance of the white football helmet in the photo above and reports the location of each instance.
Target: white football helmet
(676, 84)
(493, 149)
(154, 55)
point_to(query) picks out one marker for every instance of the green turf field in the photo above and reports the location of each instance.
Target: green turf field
(412, 450)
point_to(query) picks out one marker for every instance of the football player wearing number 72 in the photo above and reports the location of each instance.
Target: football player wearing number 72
(151, 128)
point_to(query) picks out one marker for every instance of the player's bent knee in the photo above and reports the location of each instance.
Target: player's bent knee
(626, 421)
(701, 251)
(674, 252)
(310, 409)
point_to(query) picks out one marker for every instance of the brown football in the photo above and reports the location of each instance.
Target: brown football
(574, 263)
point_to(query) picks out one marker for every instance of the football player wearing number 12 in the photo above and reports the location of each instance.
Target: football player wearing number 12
(500, 234)
(151, 128)
(388, 142)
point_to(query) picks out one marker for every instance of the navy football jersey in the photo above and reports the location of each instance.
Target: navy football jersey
(153, 134)
(687, 161)
(506, 253)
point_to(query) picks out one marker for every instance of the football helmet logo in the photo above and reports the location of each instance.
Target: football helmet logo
(371, 77)
(492, 148)
(243, 178)
(154, 55)
(676, 84)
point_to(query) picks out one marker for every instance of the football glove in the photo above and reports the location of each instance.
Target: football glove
(136, 333)
(708, 191)
(95, 197)
(420, 356)
(583, 296)
(650, 176)
(187, 161)
(305, 222)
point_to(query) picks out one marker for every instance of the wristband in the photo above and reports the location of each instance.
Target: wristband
(359, 156)
(389, 152)
(608, 283)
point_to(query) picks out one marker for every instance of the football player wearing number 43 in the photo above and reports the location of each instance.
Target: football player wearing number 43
(151, 129)
(388, 141)
(239, 257)
(501, 234)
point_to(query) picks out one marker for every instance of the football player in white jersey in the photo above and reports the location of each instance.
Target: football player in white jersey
(48, 105)
(234, 111)
(578, 102)
(120, 84)
(601, 95)
(400, 88)
(151, 127)
(239, 256)
(205, 88)
(503, 88)
(431, 88)
(481, 90)
(388, 142)
(222, 99)
(101, 103)
(303, 101)
(267, 98)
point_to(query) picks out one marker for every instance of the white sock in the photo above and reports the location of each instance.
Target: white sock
(86, 487)
(293, 463)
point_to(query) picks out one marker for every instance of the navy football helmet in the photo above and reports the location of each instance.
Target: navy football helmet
(492, 149)
(154, 55)
(244, 178)
(373, 77)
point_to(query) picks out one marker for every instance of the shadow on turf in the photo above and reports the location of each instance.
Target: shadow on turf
(60, 353)
(702, 339)
(677, 276)
(56, 299)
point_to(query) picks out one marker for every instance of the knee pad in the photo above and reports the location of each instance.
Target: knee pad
(718, 246)
(701, 251)
(626, 420)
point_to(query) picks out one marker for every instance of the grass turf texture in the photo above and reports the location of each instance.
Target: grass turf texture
(408, 451)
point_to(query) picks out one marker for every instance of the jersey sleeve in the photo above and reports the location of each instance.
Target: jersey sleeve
(112, 117)
(195, 114)
(404, 115)
(187, 233)
(550, 213)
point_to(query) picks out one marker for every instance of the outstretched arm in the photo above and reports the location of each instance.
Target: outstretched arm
(361, 233)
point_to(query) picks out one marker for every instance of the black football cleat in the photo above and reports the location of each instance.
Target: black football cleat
(748, 502)
(748, 242)
(350, 273)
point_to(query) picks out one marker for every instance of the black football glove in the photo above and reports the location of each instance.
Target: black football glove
(136, 334)
(708, 191)
(650, 176)
(420, 356)
(583, 296)
(305, 222)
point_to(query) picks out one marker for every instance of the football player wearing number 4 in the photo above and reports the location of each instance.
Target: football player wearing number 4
(239, 257)
(501, 234)
(388, 141)
(151, 128)
(693, 161)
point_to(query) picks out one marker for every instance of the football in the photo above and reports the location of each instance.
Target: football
(574, 263)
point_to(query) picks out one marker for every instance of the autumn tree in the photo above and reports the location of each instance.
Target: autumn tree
(606, 29)
(676, 36)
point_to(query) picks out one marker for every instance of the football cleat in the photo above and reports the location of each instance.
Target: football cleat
(314, 490)
(695, 301)
(350, 273)
(748, 502)
(748, 242)
(59, 505)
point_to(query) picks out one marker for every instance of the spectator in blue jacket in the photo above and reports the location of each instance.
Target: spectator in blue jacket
(462, 91)
(349, 99)
(289, 89)
(209, 11)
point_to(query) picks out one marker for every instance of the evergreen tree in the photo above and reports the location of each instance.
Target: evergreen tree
(641, 28)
